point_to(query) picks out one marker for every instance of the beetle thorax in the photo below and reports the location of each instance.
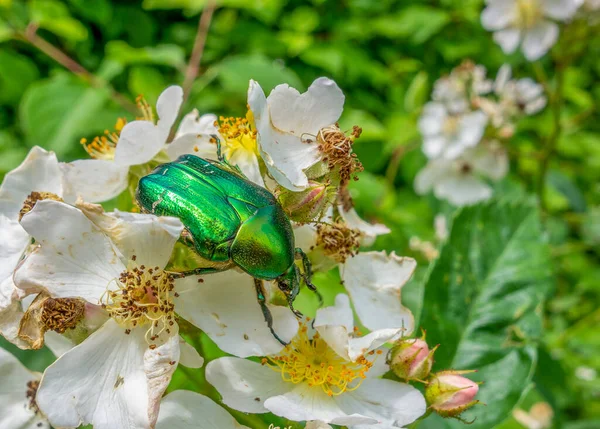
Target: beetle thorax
(143, 298)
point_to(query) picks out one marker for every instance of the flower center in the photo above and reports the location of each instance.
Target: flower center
(32, 387)
(337, 152)
(143, 297)
(450, 126)
(529, 13)
(312, 361)
(337, 240)
(33, 198)
(239, 135)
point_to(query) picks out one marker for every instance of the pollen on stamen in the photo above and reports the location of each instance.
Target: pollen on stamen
(238, 134)
(337, 240)
(104, 147)
(312, 361)
(143, 297)
(337, 151)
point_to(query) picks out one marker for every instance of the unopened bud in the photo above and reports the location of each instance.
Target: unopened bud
(306, 205)
(411, 359)
(448, 393)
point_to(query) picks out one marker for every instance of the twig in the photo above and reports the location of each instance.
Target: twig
(30, 35)
(193, 67)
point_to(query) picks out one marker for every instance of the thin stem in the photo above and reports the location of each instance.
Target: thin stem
(193, 67)
(30, 36)
(556, 100)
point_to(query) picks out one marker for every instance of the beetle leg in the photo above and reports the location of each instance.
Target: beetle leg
(307, 275)
(262, 301)
(196, 272)
(220, 156)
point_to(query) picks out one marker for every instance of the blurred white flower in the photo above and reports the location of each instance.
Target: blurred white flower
(446, 135)
(328, 375)
(39, 172)
(521, 96)
(183, 409)
(462, 181)
(289, 124)
(528, 23)
(18, 408)
(455, 90)
(539, 416)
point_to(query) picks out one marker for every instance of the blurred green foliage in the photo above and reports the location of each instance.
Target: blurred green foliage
(385, 55)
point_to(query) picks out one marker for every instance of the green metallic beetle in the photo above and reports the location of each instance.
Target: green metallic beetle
(229, 221)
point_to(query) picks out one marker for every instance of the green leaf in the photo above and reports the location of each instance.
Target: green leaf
(417, 23)
(483, 302)
(235, 73)
(54, 16)
(17, 72)
(169, 55)
(98, 11)
(417, 93)
(57, 112)
(146, 81)
(5, 31)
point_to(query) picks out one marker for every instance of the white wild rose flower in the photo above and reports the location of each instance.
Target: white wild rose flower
(447, 135)
(18, 408)
(119, 373)
(329, 375)
(39, 172)
(528, 23)
(455, 90)
(462, 181)
(289, 125)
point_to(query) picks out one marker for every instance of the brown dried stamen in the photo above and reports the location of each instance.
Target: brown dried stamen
(33, 198)
(337, 240)
(32, 387)
(337, 152)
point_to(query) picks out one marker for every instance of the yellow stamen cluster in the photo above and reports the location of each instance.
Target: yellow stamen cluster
(145, 109)
(33, 198)
(32, 387)
(143, 297)
(312, 361)
(239, 134)
(337, 152)
(103, 147)
(529, 13)
(337, 240)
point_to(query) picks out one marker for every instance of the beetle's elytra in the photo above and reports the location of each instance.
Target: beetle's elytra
(229, 220)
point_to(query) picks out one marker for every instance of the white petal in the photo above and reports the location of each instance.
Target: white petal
(101, 382)
(434, 146)
(150, 238)
(463, 190)
(369, 231)
(317, 424)
(38, 172)
(189, 356)
(291, 112)
(245, 385)
(14, 404)
(285, 155)
(312, 403)
(502, 78)
(248, 163)
(195, 144)
(139, 142)
(183, 409)
(94, 180)
(14, 241)
(159, 366)
(390, 402)
(10, 319)
(305, 236)
(539, 40)
(561, 10)
(374, 281)
(224, 306)
(472, 126)
(167, 108)
(508, 39)
(499, 14)
(57, 343)
(430, 175)
(432, 119)
(193, 123)
(491, 163)
(75, 258)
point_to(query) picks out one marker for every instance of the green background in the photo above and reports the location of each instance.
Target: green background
(515, 290)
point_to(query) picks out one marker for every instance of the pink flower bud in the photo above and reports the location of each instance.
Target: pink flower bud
(306, 205)
(411, 359)
(449, 394)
